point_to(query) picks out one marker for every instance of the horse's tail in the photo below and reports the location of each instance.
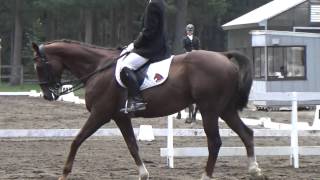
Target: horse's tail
(245, 77)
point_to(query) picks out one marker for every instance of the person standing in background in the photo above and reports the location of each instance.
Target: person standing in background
(190, 42)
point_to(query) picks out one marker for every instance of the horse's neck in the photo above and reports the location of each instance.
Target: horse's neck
(83, 62)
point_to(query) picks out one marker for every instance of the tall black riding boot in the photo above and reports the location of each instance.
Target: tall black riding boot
(135, 100)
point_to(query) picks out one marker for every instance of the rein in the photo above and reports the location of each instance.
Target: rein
(79, 82)
(76, 84)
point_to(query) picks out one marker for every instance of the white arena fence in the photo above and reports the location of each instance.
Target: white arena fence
(293, 131)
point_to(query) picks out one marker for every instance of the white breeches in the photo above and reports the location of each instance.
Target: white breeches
(133, 60)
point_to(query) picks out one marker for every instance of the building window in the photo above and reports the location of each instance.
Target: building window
(314, 12)
(283, 62)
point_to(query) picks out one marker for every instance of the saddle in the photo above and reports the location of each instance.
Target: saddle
(149, 75)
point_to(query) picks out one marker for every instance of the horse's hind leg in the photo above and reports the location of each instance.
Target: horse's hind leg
(125, 126)
(190, 109)
(194, 113)
(231, 117)
(211, 128)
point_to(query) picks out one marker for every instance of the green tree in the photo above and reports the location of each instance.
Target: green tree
(180, 23)
(107, 23)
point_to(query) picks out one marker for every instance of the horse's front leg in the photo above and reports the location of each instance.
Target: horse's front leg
(91, 126)
(125, 126)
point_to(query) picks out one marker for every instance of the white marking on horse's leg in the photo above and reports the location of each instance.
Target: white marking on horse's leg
(143, 173)
(253, 167)
(62, 178)
(205, 177)
(52, 96)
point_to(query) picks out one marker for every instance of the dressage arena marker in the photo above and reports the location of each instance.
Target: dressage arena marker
(145, 133)
(292, 130)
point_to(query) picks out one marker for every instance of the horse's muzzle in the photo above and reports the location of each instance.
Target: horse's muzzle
(50, 96)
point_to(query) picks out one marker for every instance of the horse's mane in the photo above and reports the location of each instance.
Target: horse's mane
(68, 41)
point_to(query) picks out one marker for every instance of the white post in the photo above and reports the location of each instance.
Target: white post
(294, 132)
(0, 61)
(170, 142)
(265, 23)
(316, 120)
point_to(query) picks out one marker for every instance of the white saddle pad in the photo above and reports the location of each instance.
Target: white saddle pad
(156, 74)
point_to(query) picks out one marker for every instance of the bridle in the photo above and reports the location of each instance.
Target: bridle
(54, 84)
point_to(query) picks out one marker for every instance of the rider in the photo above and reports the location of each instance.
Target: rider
(150, 46)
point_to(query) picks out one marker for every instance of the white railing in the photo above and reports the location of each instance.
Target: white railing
(293, 150)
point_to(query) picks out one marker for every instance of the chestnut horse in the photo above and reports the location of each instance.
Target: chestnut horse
(218, 83)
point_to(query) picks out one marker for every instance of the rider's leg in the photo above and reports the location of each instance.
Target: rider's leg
(132, 62)
(130, 80)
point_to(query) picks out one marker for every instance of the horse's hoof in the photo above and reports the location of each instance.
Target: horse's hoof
(259, 177)
(145, 177)
(205, 177)
(62, 178)
(188, 121)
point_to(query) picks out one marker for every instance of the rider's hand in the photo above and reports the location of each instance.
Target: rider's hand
(128, 49)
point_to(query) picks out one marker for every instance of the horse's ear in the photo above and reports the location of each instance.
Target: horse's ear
(35, 48)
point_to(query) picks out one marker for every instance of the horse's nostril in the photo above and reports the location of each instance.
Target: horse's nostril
(45, 97)
(48, 97)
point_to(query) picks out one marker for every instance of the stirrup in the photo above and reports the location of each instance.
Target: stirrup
(125, 109)
(133, 107)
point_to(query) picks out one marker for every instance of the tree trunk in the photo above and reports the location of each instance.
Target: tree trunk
(15, 77)
(181, 16)
(128, 26)
(49, 25)
(219, 36)
(113, 26)
(88, 25)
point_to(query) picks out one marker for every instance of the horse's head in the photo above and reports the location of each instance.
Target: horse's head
(49, 69)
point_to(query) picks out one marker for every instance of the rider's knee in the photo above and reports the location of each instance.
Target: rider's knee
(125, 74)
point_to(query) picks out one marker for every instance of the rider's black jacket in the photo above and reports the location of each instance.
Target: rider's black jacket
(151, 42)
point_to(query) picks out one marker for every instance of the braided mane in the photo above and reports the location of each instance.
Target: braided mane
(68, 41)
